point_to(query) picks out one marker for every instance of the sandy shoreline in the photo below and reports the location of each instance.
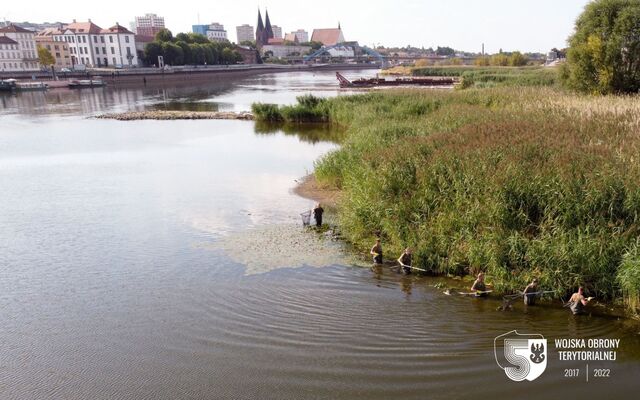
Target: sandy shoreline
(309, 188)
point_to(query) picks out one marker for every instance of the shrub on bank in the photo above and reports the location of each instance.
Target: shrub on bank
(267, 112)
(309, 108)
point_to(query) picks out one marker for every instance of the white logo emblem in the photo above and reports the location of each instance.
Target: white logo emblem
(523, 356)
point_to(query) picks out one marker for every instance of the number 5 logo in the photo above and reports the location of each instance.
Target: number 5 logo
(521, 356)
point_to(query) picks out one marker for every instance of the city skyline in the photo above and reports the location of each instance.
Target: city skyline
(528, 25)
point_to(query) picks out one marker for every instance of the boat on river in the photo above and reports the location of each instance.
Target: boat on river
(12, 85)
(410, 81)
(86, 83)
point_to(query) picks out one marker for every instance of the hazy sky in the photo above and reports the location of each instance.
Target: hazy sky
(527, 25)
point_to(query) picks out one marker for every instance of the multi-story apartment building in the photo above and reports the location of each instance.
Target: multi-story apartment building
(244, 33)
(277, 31)
(301, 35)
(216, 33)
(58, 49)
(10, 55)
(25, 40)
(148, 25)
(200, 29)
(93, 46)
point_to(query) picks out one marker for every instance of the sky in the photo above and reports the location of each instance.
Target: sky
(525, 25)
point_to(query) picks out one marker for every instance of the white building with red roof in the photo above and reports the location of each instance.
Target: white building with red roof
(92, 46)
(20, 44)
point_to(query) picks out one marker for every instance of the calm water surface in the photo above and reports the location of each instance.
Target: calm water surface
(164, 260)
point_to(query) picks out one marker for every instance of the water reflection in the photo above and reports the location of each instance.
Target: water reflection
(307, 132)
(178, 105)
(232, 94)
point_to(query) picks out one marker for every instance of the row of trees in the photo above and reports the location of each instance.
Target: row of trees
(189, 49)
(313, 45)
(515, 59)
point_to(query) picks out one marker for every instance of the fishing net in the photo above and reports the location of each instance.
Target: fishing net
(306, 218)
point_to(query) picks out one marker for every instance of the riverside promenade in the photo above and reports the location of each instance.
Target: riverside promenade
(155, 76)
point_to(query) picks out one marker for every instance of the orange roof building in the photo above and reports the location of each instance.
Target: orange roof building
(84, 27)
(11, 28)
(117, 28)
(276, 41)
(328, 37)
(291, 37)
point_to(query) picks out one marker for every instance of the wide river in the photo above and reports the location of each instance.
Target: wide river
(166, 260)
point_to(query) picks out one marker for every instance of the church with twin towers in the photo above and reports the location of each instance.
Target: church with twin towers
(264, 31)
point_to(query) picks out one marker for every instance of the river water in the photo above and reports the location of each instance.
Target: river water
(166, 260)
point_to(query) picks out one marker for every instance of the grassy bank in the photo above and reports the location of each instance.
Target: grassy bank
(519, 183)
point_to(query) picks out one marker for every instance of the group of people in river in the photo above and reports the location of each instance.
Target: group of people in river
(531, 292)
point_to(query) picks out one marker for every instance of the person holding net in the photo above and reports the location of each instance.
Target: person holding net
(317, 214)
(376, 252)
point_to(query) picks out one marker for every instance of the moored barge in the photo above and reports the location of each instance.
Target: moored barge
(412, 81)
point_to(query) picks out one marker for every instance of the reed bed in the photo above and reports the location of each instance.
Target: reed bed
(533, 182)
(487, 77)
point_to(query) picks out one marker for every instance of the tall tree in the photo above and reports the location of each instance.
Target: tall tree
(198, 38)
(151, 52)
(445, 51)
(164, 35)
(604, 52)
(45, 57)
(197, 53)
(187, 54)
(183, 37)
(172, 53)
(517, 59)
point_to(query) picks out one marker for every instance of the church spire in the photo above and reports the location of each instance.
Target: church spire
(260, 24)
(259, 30)
(267, 26)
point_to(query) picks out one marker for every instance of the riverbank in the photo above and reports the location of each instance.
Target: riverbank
(140, 77)
(176, 115)
(521, 183)
(309, 188)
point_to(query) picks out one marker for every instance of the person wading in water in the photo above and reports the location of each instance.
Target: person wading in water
(405, 261)
(479, 287)
(577, 302)
(529, 298)
(317, 214)
(376, 252)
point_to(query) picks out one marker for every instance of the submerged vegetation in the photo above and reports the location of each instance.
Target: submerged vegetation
(521, 183)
